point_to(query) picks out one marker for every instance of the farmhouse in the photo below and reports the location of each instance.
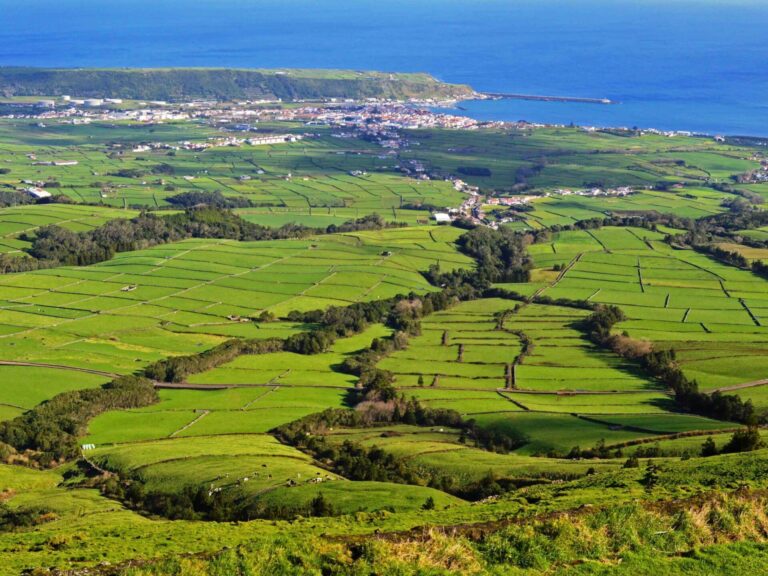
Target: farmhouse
(37, 193)
(442, 217)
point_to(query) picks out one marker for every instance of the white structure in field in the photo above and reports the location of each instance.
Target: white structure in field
(37, 193)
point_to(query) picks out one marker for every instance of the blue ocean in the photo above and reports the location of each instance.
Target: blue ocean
(699, 65)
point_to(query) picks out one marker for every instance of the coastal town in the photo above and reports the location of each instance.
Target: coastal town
(371, 116)
(383, 122)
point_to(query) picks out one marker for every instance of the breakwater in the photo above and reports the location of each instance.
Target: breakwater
(539, 98)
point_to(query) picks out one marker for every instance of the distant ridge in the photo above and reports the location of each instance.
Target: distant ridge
(222, 84)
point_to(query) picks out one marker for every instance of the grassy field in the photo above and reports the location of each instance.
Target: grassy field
(467, 351)
(259, 393)
(120, 315)
(461, 360)
(572, 158)
(16, 220)
(710, 313)
(308, 182)
(217, 438)
(690, 202)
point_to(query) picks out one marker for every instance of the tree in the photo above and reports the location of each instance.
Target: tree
(429, 504)
(321, 506)
(744, 440)
(632, 462)
(651, 476)
(709, 448)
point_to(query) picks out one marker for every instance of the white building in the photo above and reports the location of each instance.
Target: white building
(442, 217)
(37, 193)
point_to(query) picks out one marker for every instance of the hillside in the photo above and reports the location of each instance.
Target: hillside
(224, 357)
(222, 84)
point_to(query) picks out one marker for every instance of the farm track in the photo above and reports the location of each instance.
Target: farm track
(58, 367)
(742, 386)
(224, 386)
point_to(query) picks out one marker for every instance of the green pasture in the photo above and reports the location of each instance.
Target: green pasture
(25, 219)
(118, 316)
(711, 314)
(463, 348)
(24, 387)
(290, 369)
(439, 450)
(308, 182)
(574, 158)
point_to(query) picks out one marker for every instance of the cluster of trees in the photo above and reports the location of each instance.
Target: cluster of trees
(641, 219)
(726, 256)
(401, 313)
(214, 199)
(599, 450)
(375, 383)
(128, 173)
(308, 431)
(177, 368)
(501, 256)
(335, 322)
(760, 268)
(13, 198)
(362, 463)
(480, 171)
(524, 173)
(743, 440)
(200, 503)
(51, 429)
(369, 222)
(420, 206)
(13, 263)
(53, 244)
(661, 364)
(727, 225)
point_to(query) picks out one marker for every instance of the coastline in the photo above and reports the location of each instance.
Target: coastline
(621, 115)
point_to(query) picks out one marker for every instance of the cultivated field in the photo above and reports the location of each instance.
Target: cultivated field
(120, 315)
(710, 313)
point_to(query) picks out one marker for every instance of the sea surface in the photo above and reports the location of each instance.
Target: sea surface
(699, 65)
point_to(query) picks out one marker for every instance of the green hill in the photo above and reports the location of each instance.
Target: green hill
(221, 84)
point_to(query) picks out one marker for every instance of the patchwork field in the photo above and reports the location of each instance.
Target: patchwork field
(467, 348)
(217, 438)
(304, 182)
(710, 313)
(118, 316)
(553, 158)
(560, 210)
